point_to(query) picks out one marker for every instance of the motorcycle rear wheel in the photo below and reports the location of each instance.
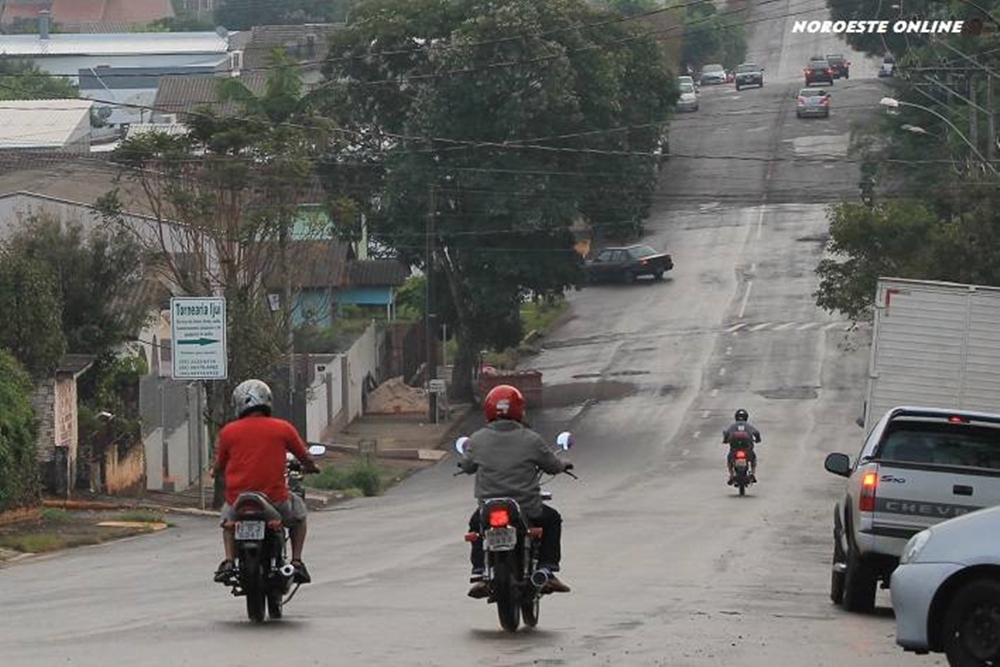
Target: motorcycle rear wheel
(253, 585)
(274, 605)
(530, 607)
(743, 489)
(508, 609)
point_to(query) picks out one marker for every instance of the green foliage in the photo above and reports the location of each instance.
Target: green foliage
(411, 298)
(23, 80)
(32, 328)
(245, 14)
(96, 274)
(503, 211)
(367, 477)
(18, 462)
(893, 239)
(710, 37)
(192, 23)
(631, 7)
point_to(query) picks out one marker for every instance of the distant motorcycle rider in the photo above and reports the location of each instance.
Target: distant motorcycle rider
(506, 456)
(741, 434)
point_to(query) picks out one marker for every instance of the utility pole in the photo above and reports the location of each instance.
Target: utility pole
(991, 131)
(973, 114)
(429, 329)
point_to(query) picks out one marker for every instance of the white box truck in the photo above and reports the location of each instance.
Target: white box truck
(934, 344)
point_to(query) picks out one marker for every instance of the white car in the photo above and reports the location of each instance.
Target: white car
(688, 101)
(946, 590)
(712, 74)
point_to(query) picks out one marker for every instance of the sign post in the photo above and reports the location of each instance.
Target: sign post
(198, 351)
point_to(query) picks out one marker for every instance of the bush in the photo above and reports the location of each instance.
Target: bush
(363, 476)
(18, 462)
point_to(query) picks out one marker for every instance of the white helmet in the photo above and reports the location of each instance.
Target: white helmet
(251, 394)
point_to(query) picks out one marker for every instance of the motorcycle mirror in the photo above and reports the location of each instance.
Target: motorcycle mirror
(564, 440)
(460, 444)
(317, 450)
(289, 456)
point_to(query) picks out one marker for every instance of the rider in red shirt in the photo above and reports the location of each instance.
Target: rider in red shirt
(251, 454)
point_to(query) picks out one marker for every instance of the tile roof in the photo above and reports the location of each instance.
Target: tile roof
(43, 123)
(377, 272)
(184, 94)
(70, 13)
(294, 39)
(136, 43)
(75, 364)
(316, 264)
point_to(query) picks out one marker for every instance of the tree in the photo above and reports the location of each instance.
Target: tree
(31, 328)
(245, 14)
(23, 80)
(476, 87)
(710, 37)
(631, 7)
(18, 462)
(223, 198)
(96, 274)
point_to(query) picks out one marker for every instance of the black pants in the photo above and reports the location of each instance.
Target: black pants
(748, 448)
(550, 550)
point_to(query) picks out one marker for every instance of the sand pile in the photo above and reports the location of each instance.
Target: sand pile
(396, 397)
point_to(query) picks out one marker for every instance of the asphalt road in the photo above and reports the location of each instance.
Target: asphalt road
(668, 565)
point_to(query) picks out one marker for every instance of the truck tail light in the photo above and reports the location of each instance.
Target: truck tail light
(869, 484)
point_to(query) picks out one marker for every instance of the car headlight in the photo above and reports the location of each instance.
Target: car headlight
(913, 548)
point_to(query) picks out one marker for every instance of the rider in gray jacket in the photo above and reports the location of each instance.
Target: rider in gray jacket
(505, 456)
(745, 433)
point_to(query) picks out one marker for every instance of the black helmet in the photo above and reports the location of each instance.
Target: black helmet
(742, 415)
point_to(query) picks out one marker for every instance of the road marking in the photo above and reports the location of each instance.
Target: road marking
(736, 327)
(722, 371)
(729, 350)
(746, 297)
(758, 327)
(695, 435)
(715, 392)
(753, 267)
(705, 414)
(760, 215)
(807, 325)
(685, 452)
(832, 325)
(786, 325)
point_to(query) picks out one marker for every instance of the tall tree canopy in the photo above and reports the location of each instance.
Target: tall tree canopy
(520, 118)
(245, 14)
(23, 80)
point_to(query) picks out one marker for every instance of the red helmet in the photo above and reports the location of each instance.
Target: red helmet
(504, 402)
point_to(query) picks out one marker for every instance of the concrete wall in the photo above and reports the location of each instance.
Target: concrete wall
(171, 416)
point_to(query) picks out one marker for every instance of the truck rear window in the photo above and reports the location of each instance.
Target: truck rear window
(941, 444)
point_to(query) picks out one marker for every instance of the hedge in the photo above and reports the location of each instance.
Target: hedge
(19, 483)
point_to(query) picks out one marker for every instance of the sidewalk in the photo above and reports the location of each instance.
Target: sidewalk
(401, 436)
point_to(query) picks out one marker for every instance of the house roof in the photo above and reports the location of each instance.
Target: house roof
(73, 12)
(315, 265)
(42, 123)
(74, 364)
(307, 43)
(184, 94)
(137, 43)
(377, 273)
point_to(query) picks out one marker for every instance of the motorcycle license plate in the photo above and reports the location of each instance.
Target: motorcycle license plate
(250, 530)
(500, 539)
(741, 463)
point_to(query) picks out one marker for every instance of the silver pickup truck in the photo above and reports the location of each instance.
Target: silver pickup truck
(918, 466)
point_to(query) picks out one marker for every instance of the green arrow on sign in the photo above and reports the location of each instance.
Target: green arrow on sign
(198, 341)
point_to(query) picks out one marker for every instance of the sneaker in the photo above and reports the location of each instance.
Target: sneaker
(226, 572)
(732, 480)
(554, 585)
(753, 478)
(479, 590)
(301, 575)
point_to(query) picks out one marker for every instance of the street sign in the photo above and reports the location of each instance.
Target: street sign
(436, 386)
(198, 338)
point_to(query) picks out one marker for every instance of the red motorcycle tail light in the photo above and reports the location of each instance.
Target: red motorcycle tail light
(741, 454)
(499, 518)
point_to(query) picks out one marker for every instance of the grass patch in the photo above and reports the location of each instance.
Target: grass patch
(55, 515)
(141, 516)
(36, 543)
(542, 316)
(365, 477)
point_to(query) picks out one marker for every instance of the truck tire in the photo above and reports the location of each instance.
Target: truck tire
(969, 631)
(837, 578)
(859, 584)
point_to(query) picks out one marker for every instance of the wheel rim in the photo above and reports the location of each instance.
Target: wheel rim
(980, 632)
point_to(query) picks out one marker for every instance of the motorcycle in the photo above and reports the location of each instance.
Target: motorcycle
(514, 582)
(264, 576)
(741, 466)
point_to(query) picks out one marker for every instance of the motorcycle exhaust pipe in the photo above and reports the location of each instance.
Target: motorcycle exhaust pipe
(287, 570)
(539, 578)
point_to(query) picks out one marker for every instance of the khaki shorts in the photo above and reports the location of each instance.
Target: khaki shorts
(292, 511)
